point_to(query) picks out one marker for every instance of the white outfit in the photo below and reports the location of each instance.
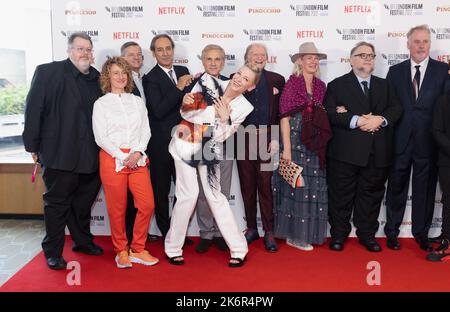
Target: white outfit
(187, 189)
(120, 121)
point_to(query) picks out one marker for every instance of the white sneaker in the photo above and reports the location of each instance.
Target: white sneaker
(122, 260)
(304, 247)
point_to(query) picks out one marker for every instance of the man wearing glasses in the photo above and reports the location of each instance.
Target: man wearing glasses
(363, 110)
(58, 133)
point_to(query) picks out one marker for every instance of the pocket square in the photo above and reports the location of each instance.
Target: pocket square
(275, 91)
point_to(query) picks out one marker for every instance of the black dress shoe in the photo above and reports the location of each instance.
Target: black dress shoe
(57, 263)
(371, 245)
(89, 249)
(204, 245)
(220, 243)
(441, 253)
(251, 235)
(269, 242)
(337, 244)
(436, 240)
(424, 243)
(393, 243)
(152, 237)
(188, 242)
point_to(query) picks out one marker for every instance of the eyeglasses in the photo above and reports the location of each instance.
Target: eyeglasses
(366, 56)
(81, 50)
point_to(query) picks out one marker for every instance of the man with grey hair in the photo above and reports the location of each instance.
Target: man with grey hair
(362, 110)
(58, 133)
(132, 52)
(254, 177)
(418, 83)
(213, 60)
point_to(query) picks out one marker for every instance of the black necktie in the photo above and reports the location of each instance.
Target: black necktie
(416, 82)
(171, 77)
(366, 88)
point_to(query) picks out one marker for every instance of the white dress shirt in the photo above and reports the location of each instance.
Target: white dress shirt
(422, 69)
(121, 121)
(174, 75)
(137, 78)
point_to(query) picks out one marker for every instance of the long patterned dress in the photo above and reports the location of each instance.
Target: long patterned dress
(301, 214)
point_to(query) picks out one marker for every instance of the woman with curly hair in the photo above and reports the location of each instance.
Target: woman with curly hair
(122, 132)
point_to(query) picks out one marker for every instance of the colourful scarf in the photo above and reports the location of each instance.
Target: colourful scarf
(315, 131)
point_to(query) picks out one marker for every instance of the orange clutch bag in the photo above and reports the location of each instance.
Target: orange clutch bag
(291, 173)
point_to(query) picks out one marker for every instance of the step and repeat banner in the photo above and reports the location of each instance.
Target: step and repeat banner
(282, 25)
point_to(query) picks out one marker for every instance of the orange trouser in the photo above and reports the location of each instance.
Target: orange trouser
(115, 185)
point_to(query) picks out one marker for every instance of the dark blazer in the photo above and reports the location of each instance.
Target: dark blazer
(354, 146)
(163, 104)
(417, 116)
(441, 129)
(277, 81)
(58, 124)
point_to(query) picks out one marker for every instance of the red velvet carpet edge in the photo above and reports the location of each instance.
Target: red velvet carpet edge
(288, 270)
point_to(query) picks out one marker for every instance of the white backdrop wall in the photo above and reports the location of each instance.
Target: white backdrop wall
(282, 25)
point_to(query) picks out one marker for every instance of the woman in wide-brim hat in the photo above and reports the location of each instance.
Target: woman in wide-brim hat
(301, 214)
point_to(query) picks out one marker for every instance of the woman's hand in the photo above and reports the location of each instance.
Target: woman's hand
(188, 98)
(131, 161)
(286, 155)
(223, 109)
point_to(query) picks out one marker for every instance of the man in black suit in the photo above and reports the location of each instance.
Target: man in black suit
(417, 82)
(163, 88)
(58, 133)
(363, 110)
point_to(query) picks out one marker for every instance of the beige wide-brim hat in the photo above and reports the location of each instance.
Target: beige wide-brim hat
(308, 48)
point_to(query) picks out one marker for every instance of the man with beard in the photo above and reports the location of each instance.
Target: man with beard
(58, 133)
(362, 110)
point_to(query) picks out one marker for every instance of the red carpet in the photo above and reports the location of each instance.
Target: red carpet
(288, 270)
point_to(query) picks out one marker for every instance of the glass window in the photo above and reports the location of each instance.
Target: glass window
(26, 42)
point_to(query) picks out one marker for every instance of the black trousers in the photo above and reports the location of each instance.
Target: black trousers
(162, 171)
(354, 189)
(130, 216)
(68, 199)
(424, 182)
(444, 181)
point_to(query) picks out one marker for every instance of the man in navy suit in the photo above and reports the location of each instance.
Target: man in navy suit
(163, 88)
(254, 178)
(418, 82)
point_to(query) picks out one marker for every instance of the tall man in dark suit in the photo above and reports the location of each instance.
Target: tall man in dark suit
(363, 111)
(58, 133)
(255, 179)
(163, 88)
(417, 82)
